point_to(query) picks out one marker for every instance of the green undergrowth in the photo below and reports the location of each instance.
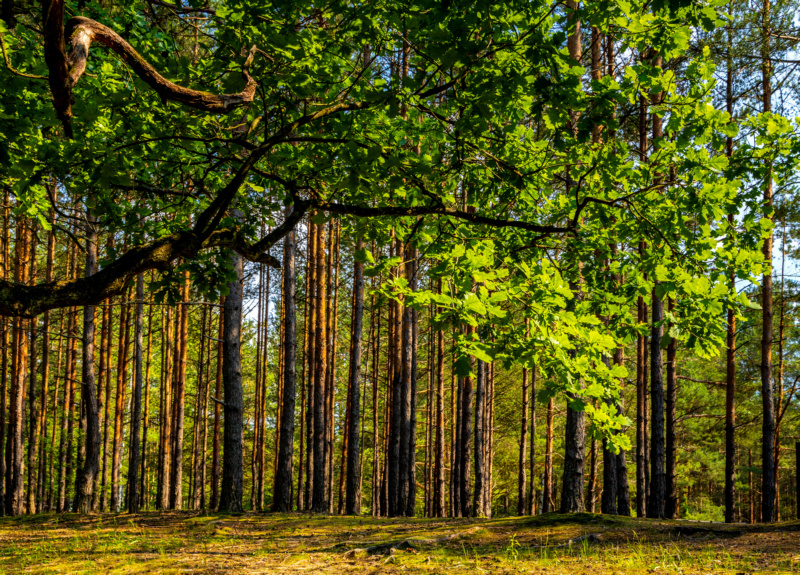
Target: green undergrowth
(185, 542)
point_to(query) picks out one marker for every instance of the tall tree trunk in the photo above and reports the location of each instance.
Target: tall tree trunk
(331, 329)
(730, 352)
(136, 416)
(143, 491)
(33, 416)
(522, 485)
(394, 454)
(575, 428)
(40, 457)
(65, 447)
(105, 370)
(215, 470)
(467, 394)
(179, 399)
(282, 498)
(532, 455)
(91, 465)
(122, 359)
(198, 450)
(641, 437)
(768, 513)
(671, 501)
(478, 508)
(165, 412)
(232, 489)
(407, 455)
(353, 504)
(548, 503)
(319, 503)
(376, 438)
(311, 355)
(4, 360)
(15, 456)
(438, 465)
(658, 480)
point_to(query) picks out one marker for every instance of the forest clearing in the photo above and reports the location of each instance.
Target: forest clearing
(400, 285)
(188, 542)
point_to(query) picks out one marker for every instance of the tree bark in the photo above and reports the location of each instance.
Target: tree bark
(478, 508)
(658, 484)
(438, 465)
(548, 503)
(179, 401)
(232, 455)
(282, 499)
(671, 502)
(522, 485)
(136, 416)
(91, 465)
(353, 489)
(319, 503)
(768, 512)
(122, 361)
(15, 456)
(215, 470)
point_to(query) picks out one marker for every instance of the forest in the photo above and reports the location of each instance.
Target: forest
(291, 285)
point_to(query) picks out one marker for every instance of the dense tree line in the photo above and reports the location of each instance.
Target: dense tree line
(399, 259)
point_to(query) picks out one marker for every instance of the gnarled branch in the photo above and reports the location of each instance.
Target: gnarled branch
(81, 32)
(66, 70)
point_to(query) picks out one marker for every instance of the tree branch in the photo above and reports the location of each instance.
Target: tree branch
(29, 301)
(81, 32)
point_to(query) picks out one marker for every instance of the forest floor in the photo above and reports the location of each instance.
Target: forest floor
(582, 544)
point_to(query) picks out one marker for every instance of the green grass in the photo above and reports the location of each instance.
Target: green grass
(287, 543)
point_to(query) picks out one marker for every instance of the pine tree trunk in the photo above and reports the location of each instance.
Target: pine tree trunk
(353, 503)
(4, 437)
(164, 411)
(407, 456)
(138, 381)
(91, 465)
(105, 371)
(65, 442)
(15, 457)
(232, 489)
(730, 355)
(768, 512)
(311, 361)
(480, 461)
(282, 498)
(671, 502)
(122, 359)
(549, 503)
(215, 463)
(438, 471)
(197, 485)
(143, 487)
(522, 484)
(319, 503)
(532, 490)
(179, 399)
(376, 436)
(467, 394)
(41, 454)
(33, 416)
(575, 428)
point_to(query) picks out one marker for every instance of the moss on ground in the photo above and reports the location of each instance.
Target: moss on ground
(185, 542)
